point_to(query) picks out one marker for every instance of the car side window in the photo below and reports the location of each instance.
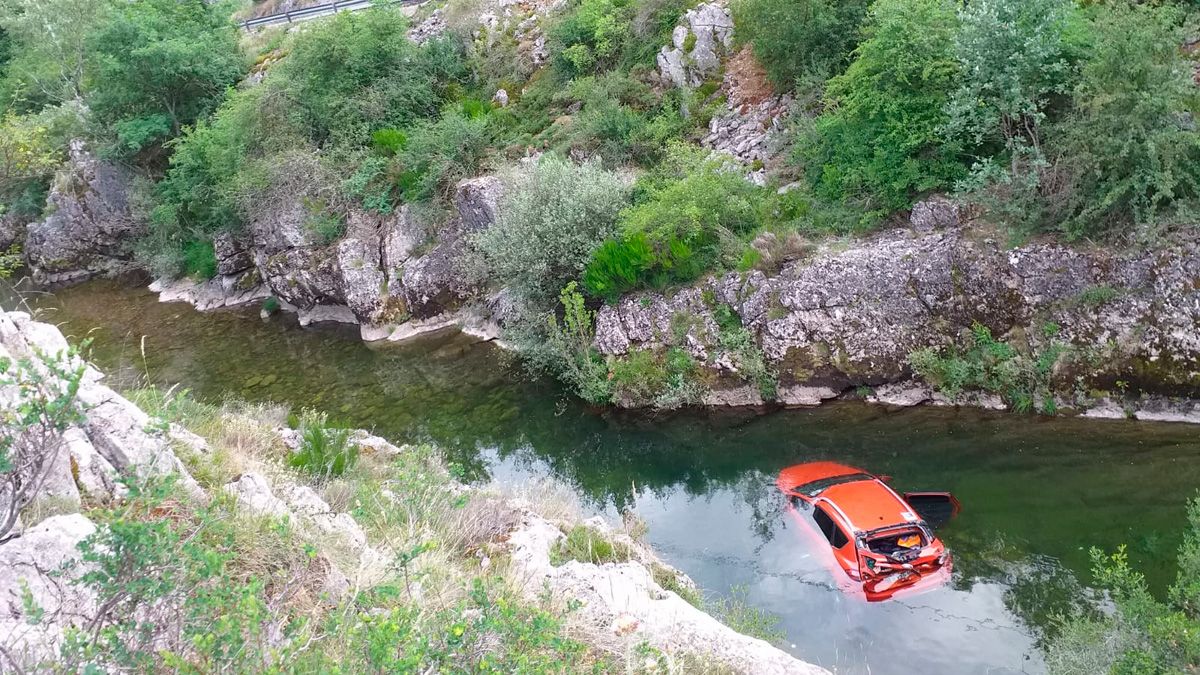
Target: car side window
(830, 529)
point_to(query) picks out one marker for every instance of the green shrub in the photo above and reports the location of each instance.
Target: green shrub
(878, 143)
(551, 219)
(737, 613)
(199, 259)
(804, 41)
(1130, 146)
(684, 219)
(564, 349)
(388, 142)
(325, 451)
(664, 379)
(991, 365)
(321, 223)
(1139, 633)
(586, 545)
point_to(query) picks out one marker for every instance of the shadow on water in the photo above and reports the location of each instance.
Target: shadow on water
(1036, 492)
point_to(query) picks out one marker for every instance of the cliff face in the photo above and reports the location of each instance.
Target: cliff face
(851, 315)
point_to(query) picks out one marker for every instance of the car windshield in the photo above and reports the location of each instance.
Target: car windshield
(818, 486)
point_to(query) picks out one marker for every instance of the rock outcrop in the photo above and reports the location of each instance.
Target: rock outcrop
(625, 599)
(698, 44)
(850, 317)
(90, 229)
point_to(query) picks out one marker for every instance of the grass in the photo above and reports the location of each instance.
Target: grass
(587, 545)
(736, 612)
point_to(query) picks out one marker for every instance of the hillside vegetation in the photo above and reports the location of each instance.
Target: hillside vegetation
(1076, 120)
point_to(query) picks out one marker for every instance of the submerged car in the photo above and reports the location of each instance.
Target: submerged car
(882, 542)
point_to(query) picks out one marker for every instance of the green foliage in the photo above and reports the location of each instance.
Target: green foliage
(1013, 57)
(46, 50)
(739, 344)
(736, 612)
(159, 65)
(566, 351)
(878, 143)
(800, 41)
(321, 223)
(590, 36)
(1143, 634)
(200, 259)
(1130, 144)
(991, 365)
(1097, 296)
(551, 219)
(683, 221)
(325, 451)
(665, 379)
(388, 142)
(439, 154)
(356, 73)
(587, 545)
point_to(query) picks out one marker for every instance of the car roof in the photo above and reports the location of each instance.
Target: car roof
(869, 504)
(802, 474)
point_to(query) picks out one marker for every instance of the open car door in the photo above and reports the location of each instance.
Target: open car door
(935, 508)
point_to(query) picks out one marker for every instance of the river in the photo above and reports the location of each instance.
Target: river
(1036, 492)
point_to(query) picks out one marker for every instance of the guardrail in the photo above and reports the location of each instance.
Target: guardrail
(315, 11)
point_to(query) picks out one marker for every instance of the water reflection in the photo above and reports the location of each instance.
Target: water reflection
(1035, 493)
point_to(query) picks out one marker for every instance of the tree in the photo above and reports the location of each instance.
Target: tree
(879, 141)
(551, 219)
(1130, 145)
(160, 65)
(1013, 61)
(49, 50)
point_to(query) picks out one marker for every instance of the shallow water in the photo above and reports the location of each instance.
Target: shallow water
(1036, 493)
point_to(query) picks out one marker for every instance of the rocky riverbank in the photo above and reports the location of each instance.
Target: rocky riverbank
(106, 460)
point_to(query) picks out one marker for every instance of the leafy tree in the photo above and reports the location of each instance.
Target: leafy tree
(1013, 57)
(1130, 145)
(800, 40)
(879, 142)
(47, 49)
(160, 65)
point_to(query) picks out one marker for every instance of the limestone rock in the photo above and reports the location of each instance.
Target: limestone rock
(697, 45)
(935, 213)
(42, 563)
(623, 599)
(90, 229)
(478, 202)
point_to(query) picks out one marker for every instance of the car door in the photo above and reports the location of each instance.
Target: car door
(837, 536)
(935, 508)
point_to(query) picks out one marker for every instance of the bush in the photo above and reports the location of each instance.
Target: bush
(586, 545)
(356, 73)
(552, 218)
(1130, 145)
(564, 349)
(879, 142)
(664, 379)
(200, 259)
(804, 41)
(325, 451)
(739, 344)
(991, 365)
(686, 217)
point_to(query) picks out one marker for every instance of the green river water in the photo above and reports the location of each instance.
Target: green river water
(1036, 492)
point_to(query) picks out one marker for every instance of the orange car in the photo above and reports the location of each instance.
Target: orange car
(882, 541)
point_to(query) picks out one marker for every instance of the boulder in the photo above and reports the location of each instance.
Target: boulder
(37, 571)
(90, 229)
(478, 202)
(935, 213)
